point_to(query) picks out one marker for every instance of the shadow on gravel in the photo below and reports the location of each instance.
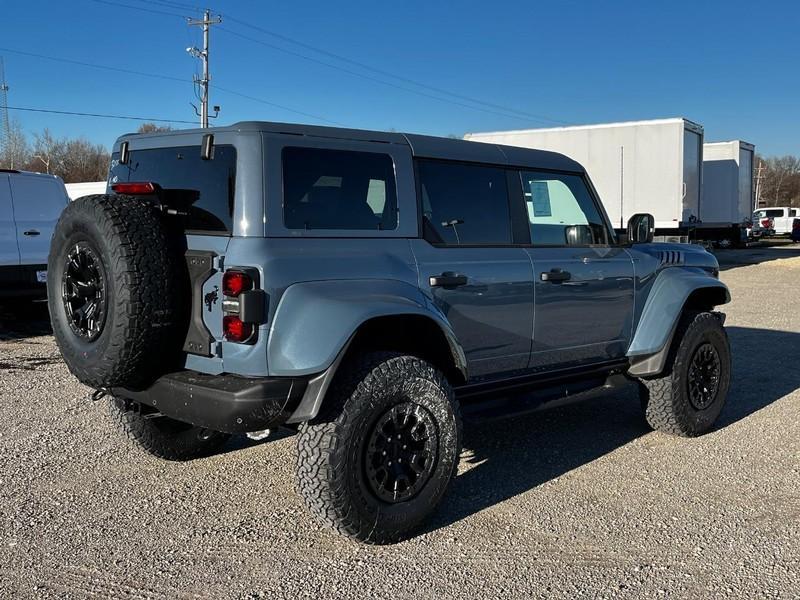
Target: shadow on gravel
(513, 456)
(23, 319)
(742, 257)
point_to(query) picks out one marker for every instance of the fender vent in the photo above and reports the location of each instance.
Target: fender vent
(671, 257)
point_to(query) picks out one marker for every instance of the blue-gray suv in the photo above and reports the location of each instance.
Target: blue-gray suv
(367, 288)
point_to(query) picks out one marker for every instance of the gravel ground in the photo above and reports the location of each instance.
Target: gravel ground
(580, 500)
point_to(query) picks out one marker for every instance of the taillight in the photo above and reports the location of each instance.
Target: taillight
(243, 306)
(135, 188)
(236, 330)
(236, 282)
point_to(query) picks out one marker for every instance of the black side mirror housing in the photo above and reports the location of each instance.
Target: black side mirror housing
(579, 235)
(641, 228)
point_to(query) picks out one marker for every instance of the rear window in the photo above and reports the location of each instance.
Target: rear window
(337, 189)
(204, 188)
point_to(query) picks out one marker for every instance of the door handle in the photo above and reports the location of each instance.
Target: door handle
(556, 276)
(447, 279)
(31, 232)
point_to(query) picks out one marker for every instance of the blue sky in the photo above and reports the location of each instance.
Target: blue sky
(730, 65)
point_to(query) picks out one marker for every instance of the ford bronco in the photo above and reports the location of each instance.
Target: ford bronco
(365, 288)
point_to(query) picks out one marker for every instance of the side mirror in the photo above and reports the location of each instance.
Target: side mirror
(579, 235)
(641, 228)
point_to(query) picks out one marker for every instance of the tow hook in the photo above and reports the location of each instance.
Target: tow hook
(98, 394)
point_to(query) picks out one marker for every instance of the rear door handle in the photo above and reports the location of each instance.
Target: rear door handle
(556, 276)
(447, 279)
(31, 232)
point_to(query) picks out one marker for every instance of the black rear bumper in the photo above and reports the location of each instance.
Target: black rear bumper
(227, 403)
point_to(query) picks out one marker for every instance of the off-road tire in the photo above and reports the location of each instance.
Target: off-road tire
(666, 399)
(145, 293)
(164, 437)
(331, 471)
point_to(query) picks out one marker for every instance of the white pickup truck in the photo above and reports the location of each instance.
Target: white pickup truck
(782, 218)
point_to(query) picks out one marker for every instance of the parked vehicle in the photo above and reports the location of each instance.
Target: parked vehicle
(781, 217)
(85, 188)
(30, 204)
(728, 192)
(796, 230)
(369, 288)
(644, 167)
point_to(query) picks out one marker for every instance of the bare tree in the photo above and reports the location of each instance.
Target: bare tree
(152, 128)
(16, 152)
(82, 161)
(47, 151)
(781, 181)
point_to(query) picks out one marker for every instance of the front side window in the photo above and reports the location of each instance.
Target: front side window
(561, 211)
(203, 189)
(464, 204)
(776, 212)
(337, 189)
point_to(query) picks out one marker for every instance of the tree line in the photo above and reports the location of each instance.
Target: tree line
(72, 159)
(779, 180)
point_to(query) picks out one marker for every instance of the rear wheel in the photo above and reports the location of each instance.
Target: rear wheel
(689, 396)
(379, 458)
(164, 437)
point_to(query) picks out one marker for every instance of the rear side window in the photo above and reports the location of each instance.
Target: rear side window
(777, 212)
(561, 211)
(203, 188)
(464, 204)
(337, 189)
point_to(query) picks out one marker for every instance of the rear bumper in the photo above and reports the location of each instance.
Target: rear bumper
(227, 403)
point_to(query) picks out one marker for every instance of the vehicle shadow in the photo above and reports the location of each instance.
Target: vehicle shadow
(23, 319)
(507, 458)
(742, 257)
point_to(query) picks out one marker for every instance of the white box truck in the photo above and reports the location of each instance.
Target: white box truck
(637, 167)
(85, 188)
(728, 194)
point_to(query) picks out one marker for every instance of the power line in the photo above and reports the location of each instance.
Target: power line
(169, 78)
(370, 77)
(140, 8)
(98, 115)
(387, 73)
(515, 113)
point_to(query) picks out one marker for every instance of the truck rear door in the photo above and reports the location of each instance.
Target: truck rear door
(692, 174)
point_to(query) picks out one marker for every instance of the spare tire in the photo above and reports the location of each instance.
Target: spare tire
(117, 287)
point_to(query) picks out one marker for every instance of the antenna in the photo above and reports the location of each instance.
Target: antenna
(5, 127)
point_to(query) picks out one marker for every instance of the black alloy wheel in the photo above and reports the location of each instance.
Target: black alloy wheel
(704, 374)
(83, 292)
(400, 453)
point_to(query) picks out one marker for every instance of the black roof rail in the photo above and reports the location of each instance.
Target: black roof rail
(9, 171)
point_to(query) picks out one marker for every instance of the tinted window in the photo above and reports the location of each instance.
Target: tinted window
(778, 212)
(464, 204)
(561, 211)
(336, 189)
(793, 212)
(204, 189)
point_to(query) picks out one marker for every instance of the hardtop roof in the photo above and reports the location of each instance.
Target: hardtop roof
(422, 146)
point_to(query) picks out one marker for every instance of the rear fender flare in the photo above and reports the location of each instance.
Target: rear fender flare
(315, 321)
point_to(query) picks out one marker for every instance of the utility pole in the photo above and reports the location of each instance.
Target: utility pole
(206, 22)
(5, 127)
(759, 176)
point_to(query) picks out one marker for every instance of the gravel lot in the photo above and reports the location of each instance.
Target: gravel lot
(581, 500)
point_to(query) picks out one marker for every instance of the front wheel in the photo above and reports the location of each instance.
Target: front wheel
(687, 399)
(379, 458)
